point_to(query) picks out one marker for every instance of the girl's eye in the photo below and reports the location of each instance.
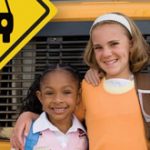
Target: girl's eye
(67, 92)
(49, 93)
(97, 48)
(114, 44)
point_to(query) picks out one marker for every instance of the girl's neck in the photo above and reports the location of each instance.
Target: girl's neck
(128, 76)
(62, 125)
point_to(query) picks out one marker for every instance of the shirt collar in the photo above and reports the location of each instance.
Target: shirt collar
(42, 123)
(118, 85)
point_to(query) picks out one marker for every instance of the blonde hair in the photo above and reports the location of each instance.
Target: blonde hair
(140, 51)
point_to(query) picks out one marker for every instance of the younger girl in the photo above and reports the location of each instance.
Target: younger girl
(57, 89)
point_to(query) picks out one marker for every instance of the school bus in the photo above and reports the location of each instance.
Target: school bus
(61, 40)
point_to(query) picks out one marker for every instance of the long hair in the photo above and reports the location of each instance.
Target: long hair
(140, 51)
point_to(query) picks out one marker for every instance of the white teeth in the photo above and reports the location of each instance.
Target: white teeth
(58, 110)
(110, 62)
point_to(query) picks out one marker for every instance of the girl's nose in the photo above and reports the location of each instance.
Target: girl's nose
(58, 98)
(107, 52)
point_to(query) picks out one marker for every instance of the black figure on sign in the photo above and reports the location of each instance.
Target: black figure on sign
(6, 23)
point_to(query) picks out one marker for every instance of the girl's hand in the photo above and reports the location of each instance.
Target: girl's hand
(21, 129)
(92, 76)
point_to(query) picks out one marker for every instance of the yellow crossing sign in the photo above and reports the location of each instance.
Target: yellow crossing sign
(20, 20)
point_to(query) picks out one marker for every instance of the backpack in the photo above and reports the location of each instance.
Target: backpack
(142, 84)
(31, 139)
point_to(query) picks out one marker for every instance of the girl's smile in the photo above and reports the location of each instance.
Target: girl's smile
(59, 96)
(111, 48)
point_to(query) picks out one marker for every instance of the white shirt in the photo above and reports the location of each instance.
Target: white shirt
(42, 124)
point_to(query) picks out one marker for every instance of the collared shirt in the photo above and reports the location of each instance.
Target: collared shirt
(51, 138)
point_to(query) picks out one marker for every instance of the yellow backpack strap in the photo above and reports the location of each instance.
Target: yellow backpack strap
(142, 83)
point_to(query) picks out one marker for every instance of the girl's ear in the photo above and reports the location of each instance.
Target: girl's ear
(131, 43)
(78, 96)
(38, 94)
(130, 46)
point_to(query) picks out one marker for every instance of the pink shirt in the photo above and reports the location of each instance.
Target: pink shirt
(52, 138)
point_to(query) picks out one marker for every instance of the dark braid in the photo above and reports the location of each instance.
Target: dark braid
(31, 102)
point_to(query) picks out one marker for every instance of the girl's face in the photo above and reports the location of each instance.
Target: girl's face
(111, 48)
(58, 95)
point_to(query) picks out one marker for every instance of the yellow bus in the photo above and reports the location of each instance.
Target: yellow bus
(61, 40)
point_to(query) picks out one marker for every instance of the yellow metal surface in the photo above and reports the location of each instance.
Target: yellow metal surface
(4, 145)
(88, 11)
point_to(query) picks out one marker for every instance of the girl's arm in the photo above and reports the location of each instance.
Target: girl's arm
(93, 76)
(21, 129)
